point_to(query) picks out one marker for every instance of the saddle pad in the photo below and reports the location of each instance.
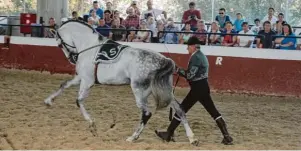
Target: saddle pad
(109, 52)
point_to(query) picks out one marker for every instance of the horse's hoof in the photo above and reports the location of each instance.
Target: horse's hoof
(93, 129)
(228, 140)
(131, 139)
(48, 102)
(195, 142)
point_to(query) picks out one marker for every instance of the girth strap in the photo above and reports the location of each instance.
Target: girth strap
(95, 74)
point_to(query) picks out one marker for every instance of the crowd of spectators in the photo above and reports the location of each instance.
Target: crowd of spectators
(269, 32)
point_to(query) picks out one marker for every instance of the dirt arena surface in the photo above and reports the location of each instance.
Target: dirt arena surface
(254, 122)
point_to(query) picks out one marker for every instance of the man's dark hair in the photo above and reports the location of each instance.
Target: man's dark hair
(256, 20)
(280, 14)
(266, 22)
(107, 11)
(95, 2)
(222, 9)
(271, 8)
(74, 12)
(244, 23)
(228, 22)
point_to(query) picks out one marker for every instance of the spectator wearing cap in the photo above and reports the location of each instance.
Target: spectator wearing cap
(117, 35)
(245, 41)
(136, 9)
(268, 40)
(191, 16)
(132, 20)
(229, 38)
(257, 27)
(222, 18)
(156, 13)
(279, 23)
(171, 38)
(238, 22)
(288, 42)
(98, 10)
(103, 28)
(108, 17)
(270, 17)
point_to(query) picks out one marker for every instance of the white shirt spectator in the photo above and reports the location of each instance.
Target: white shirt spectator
(244, 40)
(156, 13)
(256, 29)
(273, 20)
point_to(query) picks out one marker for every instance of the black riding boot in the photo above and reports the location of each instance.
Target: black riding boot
(223, 127)
(168, 136)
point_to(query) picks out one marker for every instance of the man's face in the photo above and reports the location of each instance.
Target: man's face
(101, 22)
(117, 22)
(131, 12)
(221, 13)
(271, 12)
(191, 48)
(191, 6)
(245, 27)
(51, 22)
(149, 4)
(95, 5)
(107, 15)
(267, 26)
(109, 5)
(201, 25)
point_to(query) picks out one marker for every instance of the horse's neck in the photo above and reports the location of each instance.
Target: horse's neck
(85, 42)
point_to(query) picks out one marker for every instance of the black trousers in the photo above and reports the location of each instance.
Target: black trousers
(199, 91)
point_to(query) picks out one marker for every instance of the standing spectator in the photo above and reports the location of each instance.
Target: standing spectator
(245, 41)
(160, 27)
(201, 29)
(136, 9)
(151, 25)
(171, 38)
(117, 35)
(222, 18)
(238, 22)
(94, 18)
(156, 13)
(288, 42)
(214, 39)
(50, 32)
(185, 36)
(268, 40)
(257, 27)
(103, 28)
(109, 6)
(229, 37)
(191, 16)
(132, 20)
(270, 17)
(142, 36)
(279, 23)
(108, 17)
(96, 8)
(117, 16)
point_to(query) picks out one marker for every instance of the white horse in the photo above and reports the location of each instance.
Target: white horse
(102, 61)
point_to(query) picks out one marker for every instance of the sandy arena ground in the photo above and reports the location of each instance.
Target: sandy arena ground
(255, 122)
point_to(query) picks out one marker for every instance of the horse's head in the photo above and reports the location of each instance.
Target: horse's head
(65, 36)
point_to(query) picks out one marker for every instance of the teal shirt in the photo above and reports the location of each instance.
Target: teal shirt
(198, 67)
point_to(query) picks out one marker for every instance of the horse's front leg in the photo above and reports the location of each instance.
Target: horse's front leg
(141, 94)
(82, 95)
(65, 85)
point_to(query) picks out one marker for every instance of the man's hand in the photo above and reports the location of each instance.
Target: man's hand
(181, 72)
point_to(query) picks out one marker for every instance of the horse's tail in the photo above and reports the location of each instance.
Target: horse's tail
(161, 84)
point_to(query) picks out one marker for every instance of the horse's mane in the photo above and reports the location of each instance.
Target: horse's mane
(100, 37)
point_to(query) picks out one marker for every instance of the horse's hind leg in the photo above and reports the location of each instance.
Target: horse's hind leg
(176, 106)
(141, 94)
(65, 85)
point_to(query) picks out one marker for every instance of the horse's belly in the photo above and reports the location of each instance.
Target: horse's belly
(112, 76)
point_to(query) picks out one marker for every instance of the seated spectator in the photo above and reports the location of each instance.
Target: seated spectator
(103, 28)
(229, 38)
(156, 13)
(50, 32)
(117, 16)
(201, 29)
(192, 16)
(268, 40)
(222, 18)
(117, 35)
(132, 20)
(279, 23)
(94, 18)
(288, 42)
(91, 22)
(238, 22)
(108, 17)
(132, 35)
(185, 36)
(136, 9)
(214, 39)
(171, 38)
(75, 16)
(245, 41)
(142, 36)
(160, 28)
(257, 27)
(270, 17)
(99, 11)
